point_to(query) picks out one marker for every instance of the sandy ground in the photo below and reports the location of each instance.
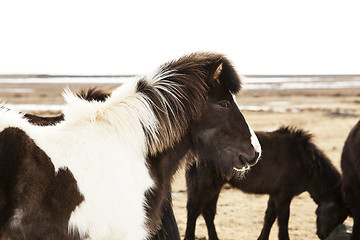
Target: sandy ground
(328, 114)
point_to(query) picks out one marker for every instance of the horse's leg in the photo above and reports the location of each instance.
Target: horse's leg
(354, 199)
(209, 215)
(351, 186)
(169, 229)
(269, 219)
(193, 212)
(283, 212)
(201, 189)
(356, 227)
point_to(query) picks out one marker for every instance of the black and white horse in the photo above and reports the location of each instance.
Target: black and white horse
(104, 171)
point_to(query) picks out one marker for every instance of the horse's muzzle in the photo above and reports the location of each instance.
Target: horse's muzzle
(245, 164)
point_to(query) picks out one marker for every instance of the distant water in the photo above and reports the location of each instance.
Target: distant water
(284, 83)
(251, 83)
(24, 85)
(65, 80)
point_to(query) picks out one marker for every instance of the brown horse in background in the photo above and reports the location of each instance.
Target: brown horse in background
(290, 164)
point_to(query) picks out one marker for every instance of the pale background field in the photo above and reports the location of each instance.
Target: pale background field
(327, 113)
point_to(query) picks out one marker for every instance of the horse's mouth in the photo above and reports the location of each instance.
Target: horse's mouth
(241, 165)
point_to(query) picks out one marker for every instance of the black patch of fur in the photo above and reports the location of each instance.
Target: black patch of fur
(35, 201)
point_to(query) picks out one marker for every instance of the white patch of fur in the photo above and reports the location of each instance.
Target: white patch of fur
(161, 74)
(103, 144)
(9, 118)
(254, 140)
(240, 174)
(16, 219)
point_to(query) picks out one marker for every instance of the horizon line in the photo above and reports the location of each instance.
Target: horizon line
(134, 75)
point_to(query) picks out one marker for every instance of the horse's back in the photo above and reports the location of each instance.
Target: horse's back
(282, 165)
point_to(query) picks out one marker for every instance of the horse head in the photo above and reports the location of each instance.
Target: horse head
(329, 215)
(221, 135)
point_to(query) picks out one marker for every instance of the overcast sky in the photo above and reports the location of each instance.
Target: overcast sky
(134, 37)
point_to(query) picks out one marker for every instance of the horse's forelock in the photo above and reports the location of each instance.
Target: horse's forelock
(216, 68)
(229, 77)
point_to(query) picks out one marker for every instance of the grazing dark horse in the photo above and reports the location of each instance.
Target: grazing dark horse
(350, 165)
(290, 164)
(104, 171)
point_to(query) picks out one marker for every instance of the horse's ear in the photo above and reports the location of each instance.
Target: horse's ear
(226, 74)
(214, 68)
(217, 72)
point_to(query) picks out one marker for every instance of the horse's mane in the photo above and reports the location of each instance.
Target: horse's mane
(174, 96)
(321, 165)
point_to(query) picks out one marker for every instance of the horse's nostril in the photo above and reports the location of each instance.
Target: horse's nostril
(257, 155)
(254, 160)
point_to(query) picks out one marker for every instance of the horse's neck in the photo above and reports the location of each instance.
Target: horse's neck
(320, 190)
(169, 160)
(162, 167)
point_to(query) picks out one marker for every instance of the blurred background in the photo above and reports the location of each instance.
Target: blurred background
(299, 62)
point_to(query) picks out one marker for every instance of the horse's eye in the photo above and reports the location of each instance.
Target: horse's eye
(224, 104)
